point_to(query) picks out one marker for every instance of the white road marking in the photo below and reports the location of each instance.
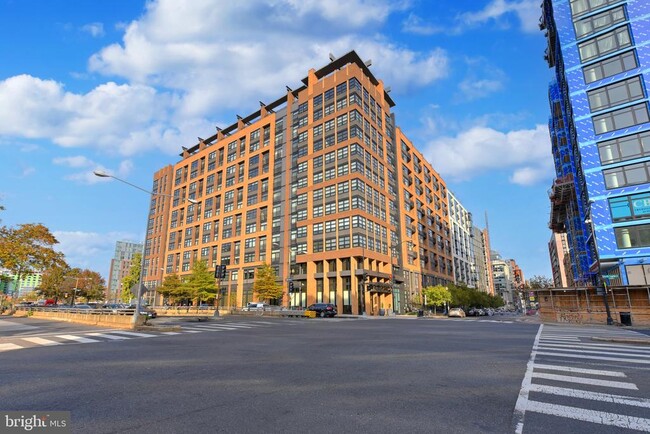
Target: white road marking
(626, 348)
(170, 333)
(107, 336)
(580, 370)
(9, 347)
(594, 396)
(192, 331)
(238, 326)
(77, 339)
(577, 349)
(583, 380)
(41, 341)
(207, 328)
(601, 417)
(578, 356)
(140, 335)
(522, 399)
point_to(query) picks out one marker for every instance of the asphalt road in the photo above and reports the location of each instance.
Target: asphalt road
(251, 375)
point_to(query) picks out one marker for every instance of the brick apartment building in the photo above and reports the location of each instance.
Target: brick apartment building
(322, 185)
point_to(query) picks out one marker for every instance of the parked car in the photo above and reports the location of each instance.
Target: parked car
(144, 310)
(252, 307)
(456, 312)
(323, 309)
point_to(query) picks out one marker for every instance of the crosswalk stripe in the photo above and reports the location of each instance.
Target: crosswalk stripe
(594, 396)
(587, 350)
(9, 347)
(212, 328)
(579, 370)
(579, 356)
(41, 341)
(238, 326)
(170, 333)
(617, 348)
(583, 380)
(601, 417)
(140, 335)
(192, 331)
(77, 339)
(107, 336)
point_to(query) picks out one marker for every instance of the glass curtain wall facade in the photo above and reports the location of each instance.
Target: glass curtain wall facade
(600, 133)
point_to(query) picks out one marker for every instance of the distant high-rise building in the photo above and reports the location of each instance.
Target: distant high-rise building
(503, 278)
(461, 243)
(558, 250)
(11, 286)
(322, 185)
(600, 135)
(482, 261)
(120, 266)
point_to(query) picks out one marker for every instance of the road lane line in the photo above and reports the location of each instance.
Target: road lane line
(585, 415)
(77, 339)
(594, 396)
(9, 347)
(139, 335)
(579, 356)
(522, 399)
(580, 370)
(583, 380)
(107, 336)
(41, 341)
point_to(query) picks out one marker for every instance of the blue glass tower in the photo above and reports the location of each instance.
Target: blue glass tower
(600, 134)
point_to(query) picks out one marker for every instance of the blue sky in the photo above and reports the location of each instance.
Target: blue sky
(120, 86)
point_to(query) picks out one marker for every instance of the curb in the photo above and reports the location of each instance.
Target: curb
(638, 341)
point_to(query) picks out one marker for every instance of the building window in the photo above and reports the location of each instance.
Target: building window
(610, 67)
(595, 23)
(632, 236)
(615, 94)
(632, 207)
(624, 148)
(626, 175)
(621, 118)
(604, 44)
(581, 7)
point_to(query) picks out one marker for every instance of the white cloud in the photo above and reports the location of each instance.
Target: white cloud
(474, 86)
(86, 166)
(123, 119)
(96, 30)
(527, 11)
(415, 24)
(532, 175)
(479, 149)
(247, 51)
(90, 249)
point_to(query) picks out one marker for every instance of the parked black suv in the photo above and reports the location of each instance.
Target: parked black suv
(323, 309)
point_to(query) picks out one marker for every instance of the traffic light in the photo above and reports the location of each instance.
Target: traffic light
(290, 286)
(220, 272)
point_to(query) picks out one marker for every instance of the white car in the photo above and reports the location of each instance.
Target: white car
(456, 312)
(251, 307)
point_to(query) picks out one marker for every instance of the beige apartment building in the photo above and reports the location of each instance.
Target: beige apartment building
(320, 184)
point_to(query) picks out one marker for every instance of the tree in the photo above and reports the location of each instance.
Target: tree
(53, 282)
(131, 279)
(265, 285)
(90, 285)
(539, 282)
(437, 295)
(170, 288)
(28, 249)
(201, 284)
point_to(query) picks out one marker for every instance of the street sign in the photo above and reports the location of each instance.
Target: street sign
(611, 276)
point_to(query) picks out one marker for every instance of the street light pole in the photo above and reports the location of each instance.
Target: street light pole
(600, 279)
(138, 304)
